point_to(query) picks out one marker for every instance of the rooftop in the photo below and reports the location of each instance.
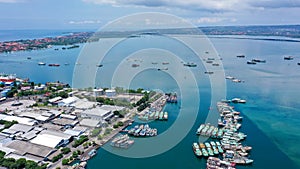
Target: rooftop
(23, 147)
(89, 122)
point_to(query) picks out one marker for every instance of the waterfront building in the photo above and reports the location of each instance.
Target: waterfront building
(110, 93)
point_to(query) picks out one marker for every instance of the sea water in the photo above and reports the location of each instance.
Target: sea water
(271, 114)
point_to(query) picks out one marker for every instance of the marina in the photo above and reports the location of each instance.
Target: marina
(225, 140)
(122, 141)
(142, 131)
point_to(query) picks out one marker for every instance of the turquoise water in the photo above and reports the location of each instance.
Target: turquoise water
(271, 115)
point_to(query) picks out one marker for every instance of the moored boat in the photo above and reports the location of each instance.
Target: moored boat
(165, 116)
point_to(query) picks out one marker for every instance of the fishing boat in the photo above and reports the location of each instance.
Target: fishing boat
(204, 152)
(212, 143)
(161, 115)
(156, 116)
(210, 151)
(207, 145)
(220, 149)
(152, 115)
(215, 150)
(200, 128)
(165, 116)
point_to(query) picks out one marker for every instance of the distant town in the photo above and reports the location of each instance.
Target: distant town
(70, 41)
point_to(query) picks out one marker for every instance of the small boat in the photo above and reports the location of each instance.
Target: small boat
(209, 73)
(248, 161)
(190, 64)
(28, 58)
(259, 60)
(251, 62)
(135, 65)
(298, 63)
(165, 116)
(288, 58)
(216, 64)
(66, 64)
(54, 64)
(165, 63)
(240, 56)
(41, 63)
(200, 128)
(236, 80)
(230, 77)
(100, 65)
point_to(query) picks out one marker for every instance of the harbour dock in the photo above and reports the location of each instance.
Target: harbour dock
(225, 149)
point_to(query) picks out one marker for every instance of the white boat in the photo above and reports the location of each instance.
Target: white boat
(41, 63)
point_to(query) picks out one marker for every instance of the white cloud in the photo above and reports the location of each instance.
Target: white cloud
(186, 4)
(206, 5)
(84, 22)
(204, 20)
(10, 1)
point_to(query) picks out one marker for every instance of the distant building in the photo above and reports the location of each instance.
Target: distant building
(98, 92)
(97, 114)
(110, 93)
(90, 123)
(67, 102)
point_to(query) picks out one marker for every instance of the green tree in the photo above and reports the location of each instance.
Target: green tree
(65, 161)
(21, 163)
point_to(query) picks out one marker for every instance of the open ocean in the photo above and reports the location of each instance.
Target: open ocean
(271, 114)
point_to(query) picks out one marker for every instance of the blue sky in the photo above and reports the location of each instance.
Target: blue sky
(92, 14)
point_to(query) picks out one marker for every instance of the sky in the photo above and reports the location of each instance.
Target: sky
(93, 14)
